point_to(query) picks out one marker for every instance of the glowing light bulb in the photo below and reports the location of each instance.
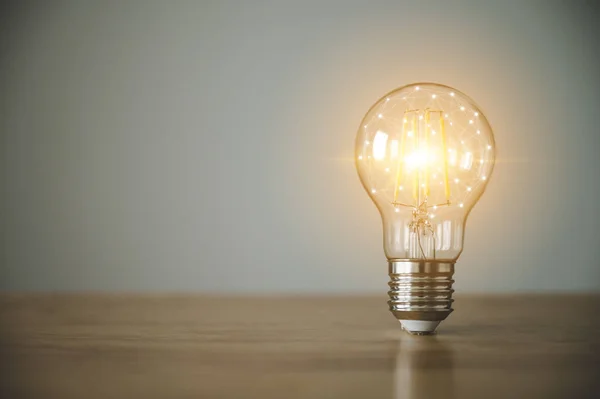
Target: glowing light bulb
(416, 156)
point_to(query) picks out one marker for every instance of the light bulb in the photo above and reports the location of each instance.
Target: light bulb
(414, 155)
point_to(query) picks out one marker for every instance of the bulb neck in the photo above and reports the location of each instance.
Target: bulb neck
(420, 293)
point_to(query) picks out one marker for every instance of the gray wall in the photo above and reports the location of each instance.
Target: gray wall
(207, 146)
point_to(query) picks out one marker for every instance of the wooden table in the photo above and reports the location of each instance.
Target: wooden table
(184, 346)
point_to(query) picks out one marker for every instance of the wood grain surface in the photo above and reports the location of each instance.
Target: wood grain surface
(186, 346)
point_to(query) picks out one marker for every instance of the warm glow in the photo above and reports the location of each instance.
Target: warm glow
(421, 160)
(418, 159)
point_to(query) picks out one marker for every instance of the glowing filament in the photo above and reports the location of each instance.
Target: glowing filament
(417, 157)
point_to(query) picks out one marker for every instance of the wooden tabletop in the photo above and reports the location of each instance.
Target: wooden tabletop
(186, 346)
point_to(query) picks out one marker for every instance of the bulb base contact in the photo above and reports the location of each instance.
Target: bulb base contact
(420, 293)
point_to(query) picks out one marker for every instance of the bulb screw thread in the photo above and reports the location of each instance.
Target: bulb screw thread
(420, 293)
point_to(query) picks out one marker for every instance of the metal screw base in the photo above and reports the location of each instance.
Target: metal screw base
(420, 293)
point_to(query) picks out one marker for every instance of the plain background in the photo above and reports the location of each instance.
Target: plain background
(207, 146)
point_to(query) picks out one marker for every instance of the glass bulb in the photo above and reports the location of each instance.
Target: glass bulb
(424, 154)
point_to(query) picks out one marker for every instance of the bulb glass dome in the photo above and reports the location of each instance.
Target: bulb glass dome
(424, 154)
